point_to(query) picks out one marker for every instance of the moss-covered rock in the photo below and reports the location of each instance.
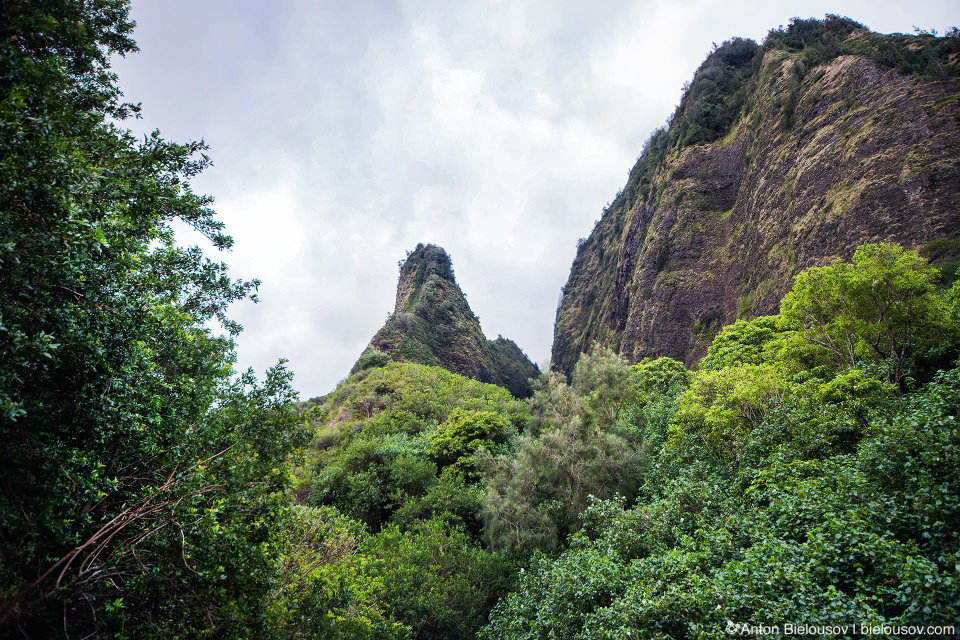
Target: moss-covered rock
(432, 324)
(835, 138)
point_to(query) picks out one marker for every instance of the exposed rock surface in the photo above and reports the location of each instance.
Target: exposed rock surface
(819, 161)
(432, 324)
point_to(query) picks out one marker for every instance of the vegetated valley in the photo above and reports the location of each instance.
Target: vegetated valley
(750, 421)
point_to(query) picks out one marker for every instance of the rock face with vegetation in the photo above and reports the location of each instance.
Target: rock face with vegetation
(432, 324)
(779, 158)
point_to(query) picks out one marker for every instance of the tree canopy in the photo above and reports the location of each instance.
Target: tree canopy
(882, 309)
(793, 483)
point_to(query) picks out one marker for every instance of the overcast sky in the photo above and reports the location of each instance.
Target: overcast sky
(345, 132)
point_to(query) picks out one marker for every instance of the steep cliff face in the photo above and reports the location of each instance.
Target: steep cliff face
(823, 149)
(432, 324)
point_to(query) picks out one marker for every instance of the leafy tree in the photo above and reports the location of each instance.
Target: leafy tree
(744, 342)
(139, 479)
(606, 384)
(600, 389)
(533, 498)
(373, 358)
(721, 407)
(660, 376)
(463, 433)
(453, 498)
(434, 579)
(373, 476)
(880, 310)
(395, 444)
(319, 593)
(658, 383)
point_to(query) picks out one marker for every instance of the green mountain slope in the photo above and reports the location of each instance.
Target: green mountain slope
(432, 324)
(780, 157)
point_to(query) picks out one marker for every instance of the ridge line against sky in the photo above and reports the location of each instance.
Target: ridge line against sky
(342, 134)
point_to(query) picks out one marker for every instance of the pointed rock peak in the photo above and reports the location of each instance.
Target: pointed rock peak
(427, 260)
(432, 324)
(423, 262)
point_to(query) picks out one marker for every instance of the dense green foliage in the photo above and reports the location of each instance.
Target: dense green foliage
(796, 536)
(463, 433)
(817, 40)
(792, 487)
(586, 439)
(820, 41)
(321, 593)
(373, 358)
(712, 101)
(744, 342)
(778, 484)
(435, 579)
(395, 444)
(395, 448)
